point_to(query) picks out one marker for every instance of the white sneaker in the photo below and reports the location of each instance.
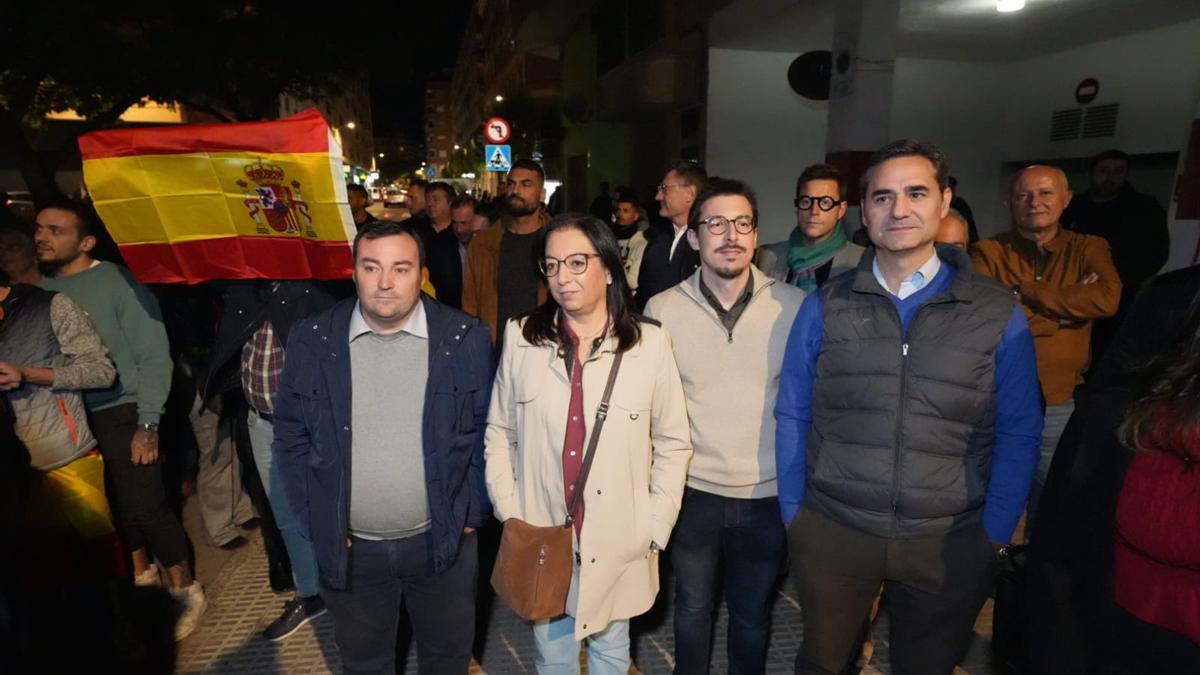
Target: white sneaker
(148, 578)
(193, 602)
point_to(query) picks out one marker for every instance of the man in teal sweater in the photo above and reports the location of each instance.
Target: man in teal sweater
(124, 418)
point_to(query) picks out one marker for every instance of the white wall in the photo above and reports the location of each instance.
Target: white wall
(983, 114)
(959, 107)
(761, 131)
(987, 114)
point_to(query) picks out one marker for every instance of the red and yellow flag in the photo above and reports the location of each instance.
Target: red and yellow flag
(252, 200)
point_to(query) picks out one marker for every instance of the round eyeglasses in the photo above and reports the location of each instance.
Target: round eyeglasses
(576, 263)
(825, 203)
(719, 225)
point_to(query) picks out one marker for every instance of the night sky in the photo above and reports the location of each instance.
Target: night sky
(408, 41)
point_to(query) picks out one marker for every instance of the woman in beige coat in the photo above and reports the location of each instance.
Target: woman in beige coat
(554, 366)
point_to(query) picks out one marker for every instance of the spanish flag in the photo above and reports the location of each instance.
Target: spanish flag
(253, 200)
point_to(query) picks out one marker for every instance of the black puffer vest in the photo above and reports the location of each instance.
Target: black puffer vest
(903, 425)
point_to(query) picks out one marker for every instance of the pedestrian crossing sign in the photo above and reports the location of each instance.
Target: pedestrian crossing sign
(497, 157)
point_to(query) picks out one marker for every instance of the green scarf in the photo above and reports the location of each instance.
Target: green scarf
(804, 260)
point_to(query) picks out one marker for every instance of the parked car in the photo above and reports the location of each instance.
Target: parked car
(19, 203)
(394, 197)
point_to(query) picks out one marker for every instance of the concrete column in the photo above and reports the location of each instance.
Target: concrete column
(1185, 220)
(860, 92)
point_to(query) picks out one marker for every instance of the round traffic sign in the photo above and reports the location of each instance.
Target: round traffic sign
(497, 130)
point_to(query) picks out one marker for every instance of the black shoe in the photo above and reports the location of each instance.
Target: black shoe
(281, 578)
(296, 613)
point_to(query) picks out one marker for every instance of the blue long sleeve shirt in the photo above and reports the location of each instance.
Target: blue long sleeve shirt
(1018, 409)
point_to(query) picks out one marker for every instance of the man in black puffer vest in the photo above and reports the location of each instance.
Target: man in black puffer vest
(908, 422)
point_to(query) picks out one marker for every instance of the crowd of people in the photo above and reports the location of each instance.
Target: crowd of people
(874, 418)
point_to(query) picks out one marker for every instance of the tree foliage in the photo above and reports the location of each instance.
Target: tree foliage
(228, 59)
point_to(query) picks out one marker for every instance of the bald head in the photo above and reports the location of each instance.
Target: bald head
(1037, 199)
(953, 230)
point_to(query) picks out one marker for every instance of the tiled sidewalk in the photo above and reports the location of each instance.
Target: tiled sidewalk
(241, 604)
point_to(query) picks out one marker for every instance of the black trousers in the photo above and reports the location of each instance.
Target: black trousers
(143, 516)
(935, 589)
(382, 574)
(1141, 648)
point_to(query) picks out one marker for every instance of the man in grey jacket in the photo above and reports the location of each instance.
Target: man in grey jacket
(728, 324)
(818, 249)
(49, 352)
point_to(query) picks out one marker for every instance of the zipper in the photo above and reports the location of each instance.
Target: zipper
(712, 313)
(903, 395)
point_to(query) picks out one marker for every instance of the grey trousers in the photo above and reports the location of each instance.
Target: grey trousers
(223, 502)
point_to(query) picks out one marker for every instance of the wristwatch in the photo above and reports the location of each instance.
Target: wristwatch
(148, 427)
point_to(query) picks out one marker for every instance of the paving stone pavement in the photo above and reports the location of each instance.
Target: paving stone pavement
(241, 604)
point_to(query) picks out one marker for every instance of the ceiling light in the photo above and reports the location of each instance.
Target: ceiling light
(1010, 5)
(350, 125)
(500, 99)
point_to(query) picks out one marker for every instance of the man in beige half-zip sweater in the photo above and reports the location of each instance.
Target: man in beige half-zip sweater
(728, 325)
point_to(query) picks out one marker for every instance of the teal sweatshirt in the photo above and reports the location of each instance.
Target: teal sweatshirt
(129, 321)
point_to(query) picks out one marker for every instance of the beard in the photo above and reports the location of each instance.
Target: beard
(517, 206)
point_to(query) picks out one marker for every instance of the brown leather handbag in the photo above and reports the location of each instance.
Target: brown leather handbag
(533, 567)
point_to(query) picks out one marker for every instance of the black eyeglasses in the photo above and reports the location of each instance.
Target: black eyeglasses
(719, 225)
(577, 263)
(826, 203)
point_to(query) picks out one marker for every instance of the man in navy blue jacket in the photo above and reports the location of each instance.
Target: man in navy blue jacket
(908, 423)
(379, 424)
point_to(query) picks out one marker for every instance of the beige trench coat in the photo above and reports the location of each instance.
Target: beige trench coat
(635, 487)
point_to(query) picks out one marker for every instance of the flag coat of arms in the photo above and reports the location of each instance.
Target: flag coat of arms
(251, 200)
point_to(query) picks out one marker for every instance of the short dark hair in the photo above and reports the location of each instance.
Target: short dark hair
(379, 229)
(85, 215)
(446, 188)
(1110, 154)
(626, 195)
(465, 200)
(418, 183)
(541, 324)
(355, 187)
(529, 165)
(722, 187)
(821, 171)
(690, 173)
(907, 147)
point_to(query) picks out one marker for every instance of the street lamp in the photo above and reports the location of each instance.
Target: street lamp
(381, 155)
(499, 99)
(456, 146)
(350, 125)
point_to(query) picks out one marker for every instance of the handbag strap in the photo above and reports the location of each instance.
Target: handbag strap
(601, 415)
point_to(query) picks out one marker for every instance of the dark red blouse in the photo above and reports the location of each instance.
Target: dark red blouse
(1157, 552)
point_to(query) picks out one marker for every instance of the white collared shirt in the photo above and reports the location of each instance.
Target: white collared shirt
(679, 232)
(417, 325)
(924, 274)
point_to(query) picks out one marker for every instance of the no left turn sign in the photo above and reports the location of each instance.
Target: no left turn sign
(496, 130)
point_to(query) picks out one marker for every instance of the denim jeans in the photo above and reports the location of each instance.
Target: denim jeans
(1055, 421)
(744, 539)
(299, 548)
(385, 575)
(558, 650)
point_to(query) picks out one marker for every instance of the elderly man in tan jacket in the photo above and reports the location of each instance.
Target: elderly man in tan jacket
(1065, 280)
(554, 366)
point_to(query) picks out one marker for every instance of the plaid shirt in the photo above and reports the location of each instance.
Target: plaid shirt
(262, 362)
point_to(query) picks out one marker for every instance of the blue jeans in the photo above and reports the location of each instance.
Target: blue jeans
(299, 548)
(558, 650)
(1055, 421)
(747, 537)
